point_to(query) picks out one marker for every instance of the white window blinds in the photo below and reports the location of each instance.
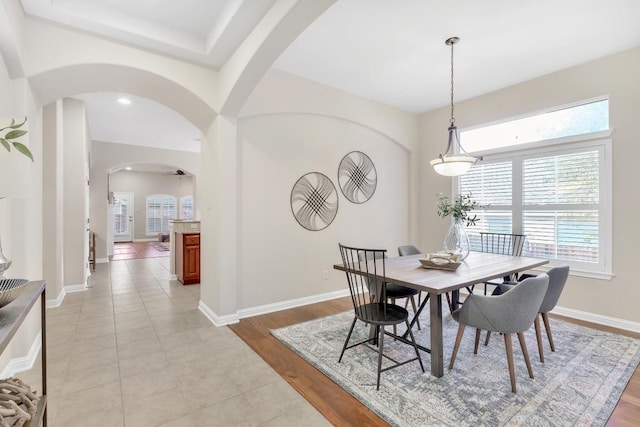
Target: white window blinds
(553, 195)
(561, 204)
(160, 209)
(490, 184)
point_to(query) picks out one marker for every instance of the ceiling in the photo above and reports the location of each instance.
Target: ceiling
(389, 51)
(202, 31)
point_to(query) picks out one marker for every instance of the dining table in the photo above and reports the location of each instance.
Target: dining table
(477, 268)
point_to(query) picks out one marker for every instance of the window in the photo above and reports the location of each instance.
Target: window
(571, 121)
(186, 207)
(556, 192)
(161, 208)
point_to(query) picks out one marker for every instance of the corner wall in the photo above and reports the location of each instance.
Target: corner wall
(291, 127)
(144, 184)
(106, 156)
(615, 76)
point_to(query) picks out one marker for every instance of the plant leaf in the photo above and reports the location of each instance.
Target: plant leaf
(5, 144)
(15, 134)
(23, 149)
(13, 124)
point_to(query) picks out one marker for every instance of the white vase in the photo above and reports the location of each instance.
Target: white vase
(457, 240)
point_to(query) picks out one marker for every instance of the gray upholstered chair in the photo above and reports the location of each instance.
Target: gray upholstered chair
(557, 278)
(360, 265)
(408, 250)
(509, 313)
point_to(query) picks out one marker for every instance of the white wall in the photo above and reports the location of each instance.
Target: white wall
(21, 218)
(615, 76)
(293, 127)
(74, 148)
(144, 184)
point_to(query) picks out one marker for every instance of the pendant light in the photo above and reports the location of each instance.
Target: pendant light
(455, 161)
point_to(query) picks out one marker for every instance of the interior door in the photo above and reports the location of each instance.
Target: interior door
(123, 217)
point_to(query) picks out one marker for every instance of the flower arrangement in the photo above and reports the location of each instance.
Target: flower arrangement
(12, 134)
(460, 209)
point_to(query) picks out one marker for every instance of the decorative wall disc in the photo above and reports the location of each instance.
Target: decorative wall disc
(357, 177)
(314, 201)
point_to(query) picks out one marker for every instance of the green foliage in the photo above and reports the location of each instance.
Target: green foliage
(14, 133)
(460, 209)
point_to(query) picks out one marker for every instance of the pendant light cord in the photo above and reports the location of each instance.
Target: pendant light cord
(452, 121)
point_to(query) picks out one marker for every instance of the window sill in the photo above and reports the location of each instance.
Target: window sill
(579, 273)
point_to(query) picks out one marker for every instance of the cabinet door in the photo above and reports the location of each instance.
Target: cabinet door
(191, 264)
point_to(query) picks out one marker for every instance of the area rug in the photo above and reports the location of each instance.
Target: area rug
(161, 246)
(578, 385)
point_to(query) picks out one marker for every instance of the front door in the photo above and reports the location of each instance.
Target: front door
(122, 217)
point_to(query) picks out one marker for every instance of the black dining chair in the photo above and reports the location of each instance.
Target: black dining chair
(395, 292)
(501, 243)
(370, 303)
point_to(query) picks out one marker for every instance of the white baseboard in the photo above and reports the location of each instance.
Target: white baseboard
(599, 319)
(298, 302)
(214, 318)
(74, 288)
(148, 239)
(57, 302)
(173, 277)
(24, 363)
(102, 260)
(267, 308)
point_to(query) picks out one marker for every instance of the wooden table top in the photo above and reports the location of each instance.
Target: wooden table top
(477, 268)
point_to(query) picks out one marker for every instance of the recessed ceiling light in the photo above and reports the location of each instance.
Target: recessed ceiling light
(124, 101)
(128, 168)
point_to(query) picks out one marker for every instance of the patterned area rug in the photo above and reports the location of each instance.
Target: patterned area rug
(579, 384)
(161, 246)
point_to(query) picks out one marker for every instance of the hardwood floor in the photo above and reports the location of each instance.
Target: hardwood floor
(338, 406)
(138, 250)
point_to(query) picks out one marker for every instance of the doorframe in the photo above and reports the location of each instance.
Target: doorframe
(130, 196)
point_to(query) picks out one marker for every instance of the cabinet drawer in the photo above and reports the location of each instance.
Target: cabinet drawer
(192, 240)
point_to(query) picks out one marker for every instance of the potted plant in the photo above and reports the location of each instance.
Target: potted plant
(456, 241)
(14, 132)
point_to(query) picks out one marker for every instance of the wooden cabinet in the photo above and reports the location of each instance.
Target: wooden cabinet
(188, 258)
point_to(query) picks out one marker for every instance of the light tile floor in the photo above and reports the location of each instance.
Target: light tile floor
(134, 351)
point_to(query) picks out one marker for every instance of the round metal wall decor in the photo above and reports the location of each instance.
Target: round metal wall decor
(314, 201)
(357, 177)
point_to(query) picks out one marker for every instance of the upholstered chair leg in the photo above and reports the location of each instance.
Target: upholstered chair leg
(380, 330)
(512, 372)
(486, 340)
(525, 353)
(415, 310)
(547, 327)
(457, 344)
(475, 345)
(536, 323)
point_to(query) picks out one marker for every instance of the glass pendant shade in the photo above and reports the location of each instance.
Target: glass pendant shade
(455, 161)
(449, 164)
